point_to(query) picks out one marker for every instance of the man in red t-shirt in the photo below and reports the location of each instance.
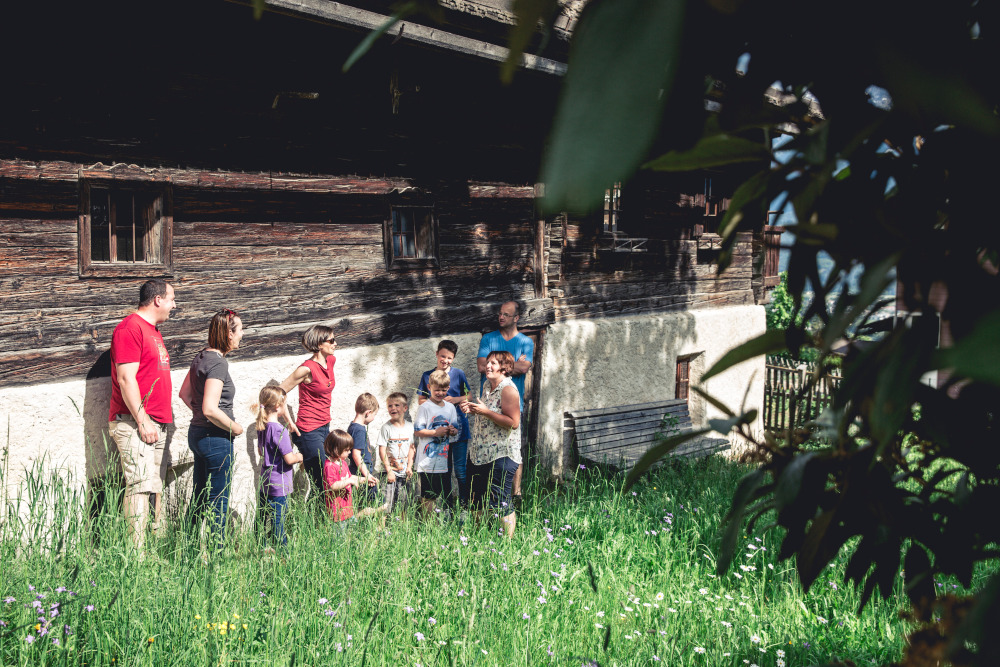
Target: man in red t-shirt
(140, 401)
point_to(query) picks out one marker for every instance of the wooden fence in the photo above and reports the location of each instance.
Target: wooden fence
(783, 384)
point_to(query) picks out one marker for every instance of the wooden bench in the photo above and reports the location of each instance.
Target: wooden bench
(619, 436)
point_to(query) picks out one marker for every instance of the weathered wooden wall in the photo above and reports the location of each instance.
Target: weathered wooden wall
(283, 258)
(289, 251)
(676, 270)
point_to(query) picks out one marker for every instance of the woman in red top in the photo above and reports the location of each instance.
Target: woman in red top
(315, 381)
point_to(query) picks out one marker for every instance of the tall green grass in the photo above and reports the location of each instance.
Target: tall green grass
(591, 575)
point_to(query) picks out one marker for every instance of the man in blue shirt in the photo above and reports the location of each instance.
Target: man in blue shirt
(522, 348)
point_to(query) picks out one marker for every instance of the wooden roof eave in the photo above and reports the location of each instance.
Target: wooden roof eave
(416, 33)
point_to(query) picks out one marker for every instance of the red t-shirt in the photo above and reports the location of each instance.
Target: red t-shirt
(136, 340)
(314, 396)
(338, 502)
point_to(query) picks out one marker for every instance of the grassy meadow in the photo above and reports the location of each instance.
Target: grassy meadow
(592, 575)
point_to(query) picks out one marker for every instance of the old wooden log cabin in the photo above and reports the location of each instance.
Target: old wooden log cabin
(394, 202)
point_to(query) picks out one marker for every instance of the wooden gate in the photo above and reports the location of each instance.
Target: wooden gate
(784, 384)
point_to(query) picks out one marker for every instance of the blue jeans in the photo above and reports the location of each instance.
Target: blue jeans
(213, 474)
(272, 510)
(310, 443)
(458, 460)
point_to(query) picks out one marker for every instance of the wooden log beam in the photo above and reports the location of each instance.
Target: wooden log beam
(57, 170)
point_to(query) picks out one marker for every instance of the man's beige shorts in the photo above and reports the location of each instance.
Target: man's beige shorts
(141, 462)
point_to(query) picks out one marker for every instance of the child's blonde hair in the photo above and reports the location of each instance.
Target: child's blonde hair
(397, 395)
(365, 403)
(270, 400)
(439, 379)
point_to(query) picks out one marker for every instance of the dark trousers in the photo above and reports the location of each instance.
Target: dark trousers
(310, 443)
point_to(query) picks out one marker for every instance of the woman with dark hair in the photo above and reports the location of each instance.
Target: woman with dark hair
(315, 381)
(495, 446)
(208, 390)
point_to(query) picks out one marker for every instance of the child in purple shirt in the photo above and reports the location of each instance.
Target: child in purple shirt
(276, 459)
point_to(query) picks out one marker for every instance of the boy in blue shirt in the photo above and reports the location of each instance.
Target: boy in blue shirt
(458, 391)
(362, 461)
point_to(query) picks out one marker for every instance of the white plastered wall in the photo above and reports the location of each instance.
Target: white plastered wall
(44, 426)
(604, 362)
(590, 363)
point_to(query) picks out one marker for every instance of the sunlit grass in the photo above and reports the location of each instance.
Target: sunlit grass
(592, 574)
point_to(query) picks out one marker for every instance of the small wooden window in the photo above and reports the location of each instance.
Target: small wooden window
(612, 207)
(709, 222)
(683, 385)
(125, 230)
(411, 237)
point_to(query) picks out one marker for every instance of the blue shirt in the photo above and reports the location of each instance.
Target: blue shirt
(360, 435)
(459, 387)
(518, 345)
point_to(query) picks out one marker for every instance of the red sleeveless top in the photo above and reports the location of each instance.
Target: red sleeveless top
(314, 396)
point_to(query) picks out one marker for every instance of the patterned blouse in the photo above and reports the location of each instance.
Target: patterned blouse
(490, 441)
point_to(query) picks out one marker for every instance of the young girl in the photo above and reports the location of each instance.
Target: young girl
(338, 482)
(337, 478)
(277, 458)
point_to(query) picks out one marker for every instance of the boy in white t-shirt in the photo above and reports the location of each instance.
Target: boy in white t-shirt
(435, 426)
(396, 453)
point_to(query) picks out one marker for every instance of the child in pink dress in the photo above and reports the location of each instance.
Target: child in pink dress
(337, 478)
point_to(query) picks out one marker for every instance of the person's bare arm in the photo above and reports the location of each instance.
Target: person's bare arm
(510, 409)
(293, 457)
(432, 432)
(284, 414)
(213, 413)
(342, 484)
(409, 460)
(363, 472)
(521, 366)
(298, 376)
(133, 400)
(481, 364)
(390, 474)
(186, 394)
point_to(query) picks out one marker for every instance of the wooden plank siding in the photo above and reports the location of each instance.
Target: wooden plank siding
(287, 251)
(289, 258)
(282, 258)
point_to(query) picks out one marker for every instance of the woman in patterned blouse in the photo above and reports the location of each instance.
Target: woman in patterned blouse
(495, 446)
